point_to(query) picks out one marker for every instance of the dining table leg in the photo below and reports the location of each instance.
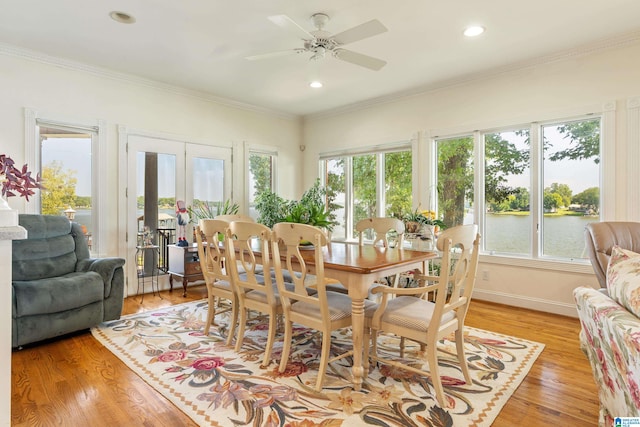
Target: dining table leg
(357, 319)
(358, 287)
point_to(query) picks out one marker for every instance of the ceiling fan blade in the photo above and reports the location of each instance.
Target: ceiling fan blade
(362, 31)
(290, 25)
(356, 58)
(274, 54)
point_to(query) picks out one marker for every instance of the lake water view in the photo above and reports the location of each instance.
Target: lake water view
(563, 235)
(510, 234)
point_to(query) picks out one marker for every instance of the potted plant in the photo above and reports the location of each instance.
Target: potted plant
(310, 209)
(422, 221)
(17, 181)
(204, 210)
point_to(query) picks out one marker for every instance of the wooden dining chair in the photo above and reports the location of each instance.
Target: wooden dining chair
(235, 217)
(325, 311)
(253, 290)
(380, 227)
(410, 316)
(217, 279)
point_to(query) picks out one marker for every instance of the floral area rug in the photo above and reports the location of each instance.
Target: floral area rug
(216, 386)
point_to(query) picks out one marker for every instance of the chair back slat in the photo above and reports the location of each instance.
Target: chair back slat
(210, 250)
(287, 246)
(380, 226)
(243, 239)
(460, 254)
(235, 217)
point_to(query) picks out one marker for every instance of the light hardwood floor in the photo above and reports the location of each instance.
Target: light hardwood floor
(75, 381)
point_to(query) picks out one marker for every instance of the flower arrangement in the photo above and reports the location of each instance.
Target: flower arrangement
(17, 181)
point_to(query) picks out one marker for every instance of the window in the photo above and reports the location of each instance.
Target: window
(539, 186)
(363, 185)
(571, 182)
(67, 174)
(455, 180)
(507, 190)
(365, 200)
(262, 166)
(335, 183)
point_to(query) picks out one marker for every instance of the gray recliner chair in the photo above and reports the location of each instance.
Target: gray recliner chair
(600, 237)
(56, 287)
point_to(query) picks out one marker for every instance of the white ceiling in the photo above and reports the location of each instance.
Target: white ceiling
(202, 44)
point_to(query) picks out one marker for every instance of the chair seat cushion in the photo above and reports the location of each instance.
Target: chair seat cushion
(56, 294)
(339, 306)
(409, 312)
(223, 284)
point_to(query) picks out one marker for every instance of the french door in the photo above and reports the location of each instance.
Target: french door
(161, 172)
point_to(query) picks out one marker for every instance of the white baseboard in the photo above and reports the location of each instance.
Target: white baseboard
(538, 304)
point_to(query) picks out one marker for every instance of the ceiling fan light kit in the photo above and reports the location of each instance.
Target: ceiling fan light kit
(321, 42)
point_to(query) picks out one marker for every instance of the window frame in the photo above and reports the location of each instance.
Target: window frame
(379, 151)
(98, 129)
(264, 150)
(608, 142)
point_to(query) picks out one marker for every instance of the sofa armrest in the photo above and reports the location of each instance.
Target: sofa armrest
(610, 337)
(105, 267)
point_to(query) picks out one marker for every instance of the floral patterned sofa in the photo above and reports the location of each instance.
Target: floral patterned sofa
(610, 336)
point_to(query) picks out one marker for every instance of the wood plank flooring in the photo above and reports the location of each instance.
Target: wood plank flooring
(75, 381)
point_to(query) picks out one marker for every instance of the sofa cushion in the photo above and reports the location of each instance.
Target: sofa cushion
(56, 294)
(623, 279)
(50, 249)
(42, 258)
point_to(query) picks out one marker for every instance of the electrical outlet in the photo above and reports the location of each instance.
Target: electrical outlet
(485, 275)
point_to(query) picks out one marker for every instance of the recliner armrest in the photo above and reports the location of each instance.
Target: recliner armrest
(105, 267)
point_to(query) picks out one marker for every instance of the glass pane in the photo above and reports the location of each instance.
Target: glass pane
(507, 192)
(455, 180)
(335, 185)
(67, 176)
(208, 183)
(156, 191)
(397, 183)
(364, 188)
(571, 177)
(260, 178)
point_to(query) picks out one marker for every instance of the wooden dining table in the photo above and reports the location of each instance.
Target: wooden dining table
(357, 268)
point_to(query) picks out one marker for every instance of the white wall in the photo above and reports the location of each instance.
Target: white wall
(528, 94)
(89, 94)
(539, 92)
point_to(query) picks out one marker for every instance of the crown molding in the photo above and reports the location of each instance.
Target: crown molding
(625, 39)
(32, 55)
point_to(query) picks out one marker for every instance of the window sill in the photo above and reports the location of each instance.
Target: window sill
(577, 266)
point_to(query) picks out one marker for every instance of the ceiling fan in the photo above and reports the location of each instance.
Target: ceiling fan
(321, 43)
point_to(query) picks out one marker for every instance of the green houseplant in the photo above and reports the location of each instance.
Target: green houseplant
(310, 209)
(416, 220)
(203, 210)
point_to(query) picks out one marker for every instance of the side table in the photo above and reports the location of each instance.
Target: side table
(185, 264)
(147, 269)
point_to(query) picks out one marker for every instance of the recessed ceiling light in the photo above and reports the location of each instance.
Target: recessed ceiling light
(315, 84)
(473, 31)
(122, 17)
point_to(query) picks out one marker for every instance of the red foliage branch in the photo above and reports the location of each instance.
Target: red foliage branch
(16, 180)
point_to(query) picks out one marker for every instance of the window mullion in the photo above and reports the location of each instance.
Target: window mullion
(479, 202)
(537, 188)
(380, 190)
